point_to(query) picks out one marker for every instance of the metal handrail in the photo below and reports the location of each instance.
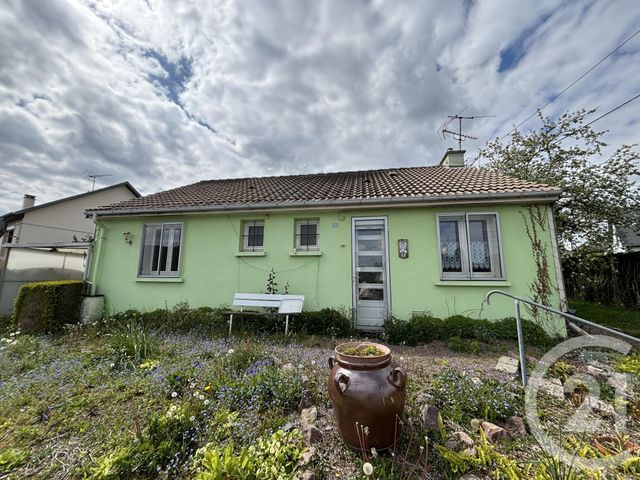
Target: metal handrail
(518, 300)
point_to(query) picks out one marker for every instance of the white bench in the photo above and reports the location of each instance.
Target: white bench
(286, 305)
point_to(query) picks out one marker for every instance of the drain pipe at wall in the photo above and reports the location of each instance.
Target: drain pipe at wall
(97, 254)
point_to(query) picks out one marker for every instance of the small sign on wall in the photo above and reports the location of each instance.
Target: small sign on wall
(403, 248)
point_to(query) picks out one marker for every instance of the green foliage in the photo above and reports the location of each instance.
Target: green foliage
(461, 397)
(12, 458)
(561, 370)
(624, 319)
(271, 457)
(565, 153)
(628, 364)
(245, 354)
(463, 345)
(45, 307)
(328, 321)
(425, 328)
(132, 342)
(180, 318)
(5, 324)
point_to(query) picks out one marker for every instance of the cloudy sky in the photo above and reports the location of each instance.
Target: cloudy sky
(165, 93)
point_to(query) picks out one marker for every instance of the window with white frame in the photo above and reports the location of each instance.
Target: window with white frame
(307, 236)
(253, 236)
(161, 246)
(469, 246)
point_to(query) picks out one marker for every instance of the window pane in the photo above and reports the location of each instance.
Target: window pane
(308, 234)
(369, 277)
(255, 235)
(450, 246)
(175, 256)
(367, 293)
(484, 254)
(479, 243)
(370, 261)
(150, 249)
(370, 245)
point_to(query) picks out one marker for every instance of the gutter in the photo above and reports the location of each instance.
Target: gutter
(531, 197)
(95, 258)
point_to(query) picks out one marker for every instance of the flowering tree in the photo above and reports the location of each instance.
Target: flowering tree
(596, 195)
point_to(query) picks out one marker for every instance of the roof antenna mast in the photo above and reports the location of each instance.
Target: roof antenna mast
(93, 176)
(459, 136)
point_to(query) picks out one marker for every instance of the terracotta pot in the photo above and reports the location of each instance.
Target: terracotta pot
(369, 392)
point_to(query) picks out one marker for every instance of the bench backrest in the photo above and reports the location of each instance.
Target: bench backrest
(284, 303)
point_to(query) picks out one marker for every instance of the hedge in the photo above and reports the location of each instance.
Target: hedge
(327, 321)
(425, 329)
(45, 307)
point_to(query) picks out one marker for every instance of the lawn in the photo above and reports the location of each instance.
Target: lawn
(624, 319)
(127, 402)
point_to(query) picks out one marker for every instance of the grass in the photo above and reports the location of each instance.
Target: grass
(624, 319)
(195, 406)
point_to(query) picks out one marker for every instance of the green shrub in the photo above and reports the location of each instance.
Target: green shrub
(425, 328)
(464, 345)
(328, 321)
(180, 318)
(274, 456)
(45, 307)
(5, 324)
(12, 458)
(132, 342)
(628, 364)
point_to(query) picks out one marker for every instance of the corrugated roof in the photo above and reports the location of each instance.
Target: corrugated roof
(369, 186)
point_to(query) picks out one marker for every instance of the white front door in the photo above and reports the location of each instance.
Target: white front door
(370, 272)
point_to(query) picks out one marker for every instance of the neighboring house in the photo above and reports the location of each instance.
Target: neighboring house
(62, 220)
(381, 242)
(49, 241)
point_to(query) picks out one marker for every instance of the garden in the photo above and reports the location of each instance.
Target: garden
(166, 394)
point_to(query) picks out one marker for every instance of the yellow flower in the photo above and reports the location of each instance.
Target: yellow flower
(207, 388)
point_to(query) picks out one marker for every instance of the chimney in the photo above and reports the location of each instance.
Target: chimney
(453, 158)
(28, 201)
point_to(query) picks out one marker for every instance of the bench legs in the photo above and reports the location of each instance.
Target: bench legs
(230, 323)
(286, 326)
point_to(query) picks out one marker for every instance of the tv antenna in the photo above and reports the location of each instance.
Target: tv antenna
(93, 176)
(459, 136)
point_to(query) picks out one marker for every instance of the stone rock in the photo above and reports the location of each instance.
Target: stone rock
(507, 364)
(306, 456)
(308, 416)
(287, 366)
(516, 427)
(493, 432)
(288, 426)
(312, 435)
(430, 416)
(306, 399)
(308, 475)
(460, 442)
(476, 424)
(469, 476)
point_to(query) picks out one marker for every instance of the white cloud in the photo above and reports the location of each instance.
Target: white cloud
(133, 88)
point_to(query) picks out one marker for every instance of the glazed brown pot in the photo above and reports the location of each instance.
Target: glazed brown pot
(367, 392)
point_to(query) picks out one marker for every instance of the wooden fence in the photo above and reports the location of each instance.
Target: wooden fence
(615, 279)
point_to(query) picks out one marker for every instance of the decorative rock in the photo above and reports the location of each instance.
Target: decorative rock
(287, 427)
(516, 427)
(430, 416)
(306, 456)
(460, 441)
(507, 364)
(493, 432)
(312, 435)
(308, 416)
(306, 399)
(476, 424)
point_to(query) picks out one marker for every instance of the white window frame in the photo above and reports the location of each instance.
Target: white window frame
(245, 235)
(465, 247)
(298, 234)
(159, 273)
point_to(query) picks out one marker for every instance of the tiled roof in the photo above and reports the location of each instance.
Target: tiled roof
(370, 186)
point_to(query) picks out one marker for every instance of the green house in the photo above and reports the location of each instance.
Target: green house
(379, 243)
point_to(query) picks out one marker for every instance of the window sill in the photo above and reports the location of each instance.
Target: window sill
(305, 253)
(160, 279)
(250, 254)
(473, 283)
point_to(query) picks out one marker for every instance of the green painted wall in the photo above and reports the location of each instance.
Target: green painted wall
(211, 272)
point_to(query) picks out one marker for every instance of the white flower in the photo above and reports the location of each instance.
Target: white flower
(367, 468)
(313, 362)
(402, 359)
(206, 402)
(174, 394)
(300, 366)
(230, 352)
(192, 418)
(374, 452)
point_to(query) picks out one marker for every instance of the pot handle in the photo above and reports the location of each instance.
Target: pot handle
(398, 378)
(341, 382)
(332, 362)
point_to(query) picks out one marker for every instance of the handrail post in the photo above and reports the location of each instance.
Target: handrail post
(523, 360)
